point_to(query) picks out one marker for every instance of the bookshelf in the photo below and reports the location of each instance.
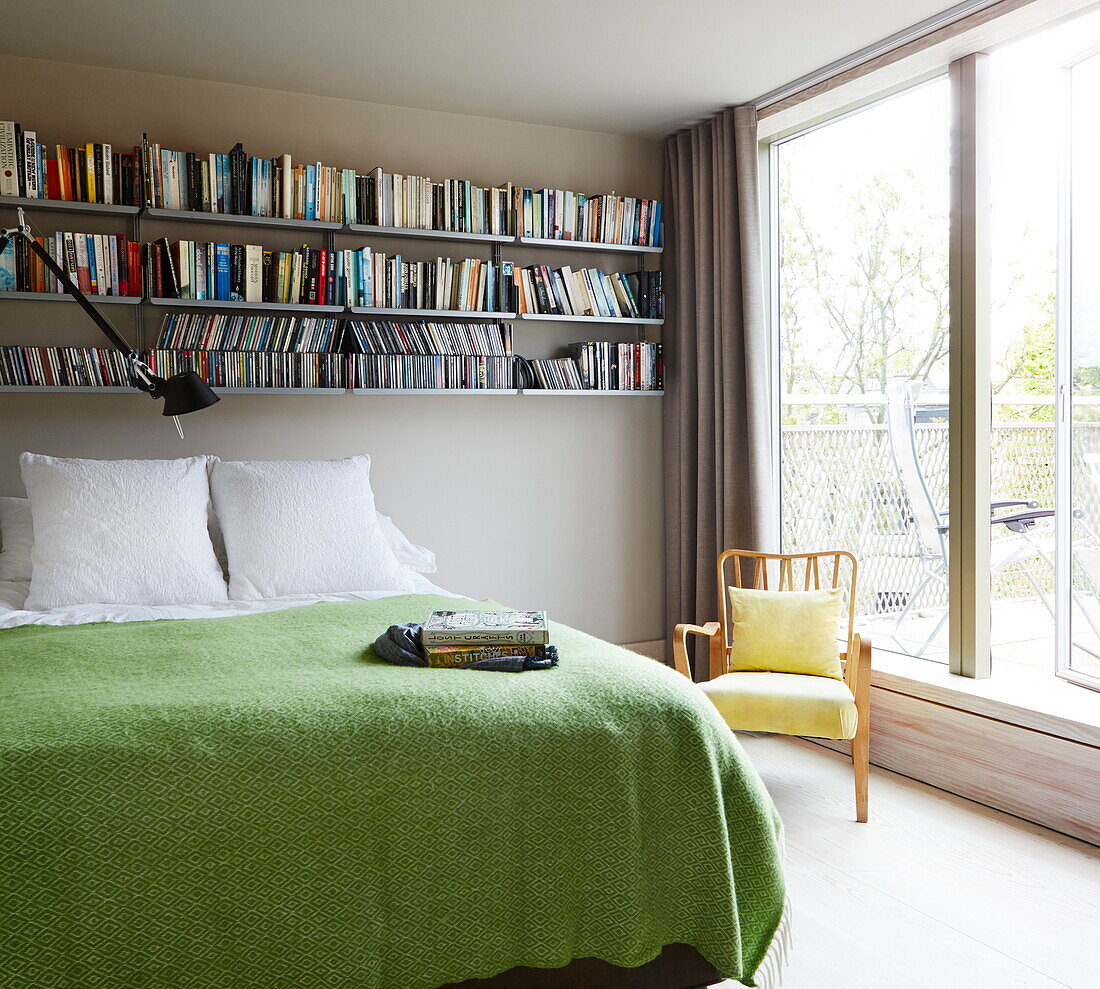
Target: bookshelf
(422, 234)
(548, 318)
(135, 217)
(434, 391)
(448, 314)
(304, 309)
(62, 206)
(116, 300)
(127, 390)
(234, 219)
(226, 390)
(592, 393)
(587, 245)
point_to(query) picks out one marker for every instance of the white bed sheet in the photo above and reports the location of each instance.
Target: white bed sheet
(13, 593)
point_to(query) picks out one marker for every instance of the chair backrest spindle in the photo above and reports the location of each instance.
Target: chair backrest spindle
(730, 571)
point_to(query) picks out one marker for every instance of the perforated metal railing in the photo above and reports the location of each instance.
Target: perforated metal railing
(841, 491)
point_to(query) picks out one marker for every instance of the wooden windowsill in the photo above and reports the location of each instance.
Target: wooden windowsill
(1014, 694)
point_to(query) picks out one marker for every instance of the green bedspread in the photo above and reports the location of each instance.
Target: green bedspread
(260, 802)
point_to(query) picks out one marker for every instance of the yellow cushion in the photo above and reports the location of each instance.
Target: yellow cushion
(786, 631)
(785, 703)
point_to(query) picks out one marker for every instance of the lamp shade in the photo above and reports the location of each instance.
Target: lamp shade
(185, 392)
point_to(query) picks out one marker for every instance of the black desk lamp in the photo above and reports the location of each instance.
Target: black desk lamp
(182, 393)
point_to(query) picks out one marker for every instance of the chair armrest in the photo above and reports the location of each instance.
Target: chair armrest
(712, 631)
(857, 674)
(994, 505)
(1019, 521)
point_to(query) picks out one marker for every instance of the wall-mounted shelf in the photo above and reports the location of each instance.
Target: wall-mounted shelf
(118, 300)
(587, 245)
(593, 392)
(234, 390)
(126, 389)
(249, 306)
(591, 319)
(434, 313)
(434, 391)
(228, 390)
(62, 206)
(368, 228)
(197, 216)
(72, 389)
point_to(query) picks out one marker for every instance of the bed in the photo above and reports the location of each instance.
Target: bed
(242, 794)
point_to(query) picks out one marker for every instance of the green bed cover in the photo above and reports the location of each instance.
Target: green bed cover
(258, 801)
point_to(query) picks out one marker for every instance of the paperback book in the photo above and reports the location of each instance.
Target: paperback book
(464, 628)
(452, 657)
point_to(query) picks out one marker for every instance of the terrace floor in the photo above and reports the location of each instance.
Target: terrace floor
(1022, 633)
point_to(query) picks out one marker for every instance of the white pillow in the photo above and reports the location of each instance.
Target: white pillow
(120, 532)
(16, 539)
(302, 527)
(408, 553)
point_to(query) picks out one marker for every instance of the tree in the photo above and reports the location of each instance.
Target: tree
(853, 317)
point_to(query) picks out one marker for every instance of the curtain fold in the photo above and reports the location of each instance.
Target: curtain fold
(718, 455)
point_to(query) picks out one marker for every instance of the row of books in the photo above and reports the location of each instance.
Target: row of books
(100, 264)
(89, 173)
(104, 264)
(242, 184)
(604, 366)
(414, 201)
(557, 372)
(99, 367)
(188, 269)
(310, 334)
(623, 367)
(430, 338)
(254, 369)
(618, 366)
(430, 371)
(560, 215)
(589, 292)
(472, 285)
(62, 366)
(280, 334)
(307, 276)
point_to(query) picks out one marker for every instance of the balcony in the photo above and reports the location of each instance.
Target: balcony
(841, 488)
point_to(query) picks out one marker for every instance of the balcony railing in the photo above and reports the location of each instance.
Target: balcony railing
(841, 490)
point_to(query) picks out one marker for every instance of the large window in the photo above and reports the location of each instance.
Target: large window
(863, 324)
(863, 320)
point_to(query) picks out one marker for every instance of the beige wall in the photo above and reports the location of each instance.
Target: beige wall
(538, 502)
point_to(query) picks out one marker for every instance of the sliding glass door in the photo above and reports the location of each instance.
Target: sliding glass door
(869, 335)
(1079, 380)
(863, 323)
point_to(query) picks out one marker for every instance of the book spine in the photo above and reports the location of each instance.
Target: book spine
(455, 657)
(253, 289)
(476, 637)
(9, 159)
(30, 165)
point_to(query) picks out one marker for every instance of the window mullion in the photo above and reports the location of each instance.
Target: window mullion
(970, 401)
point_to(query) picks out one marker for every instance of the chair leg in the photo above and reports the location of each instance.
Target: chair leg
(861, 761)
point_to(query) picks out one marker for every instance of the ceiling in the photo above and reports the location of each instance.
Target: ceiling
(641, 67)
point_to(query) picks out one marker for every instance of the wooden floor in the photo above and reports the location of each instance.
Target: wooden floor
(934, 891)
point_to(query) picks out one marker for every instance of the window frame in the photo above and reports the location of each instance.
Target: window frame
(969, 618)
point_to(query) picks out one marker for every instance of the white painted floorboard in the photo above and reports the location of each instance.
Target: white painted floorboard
(935, 891)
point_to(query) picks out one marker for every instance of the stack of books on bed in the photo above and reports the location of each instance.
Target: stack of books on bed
(459, 638)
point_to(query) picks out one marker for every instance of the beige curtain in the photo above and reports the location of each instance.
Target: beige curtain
(717, 406)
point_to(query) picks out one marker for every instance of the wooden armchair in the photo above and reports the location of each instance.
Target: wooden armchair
(786, 703)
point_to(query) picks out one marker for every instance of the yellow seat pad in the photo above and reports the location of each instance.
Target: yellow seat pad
(785, 703)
